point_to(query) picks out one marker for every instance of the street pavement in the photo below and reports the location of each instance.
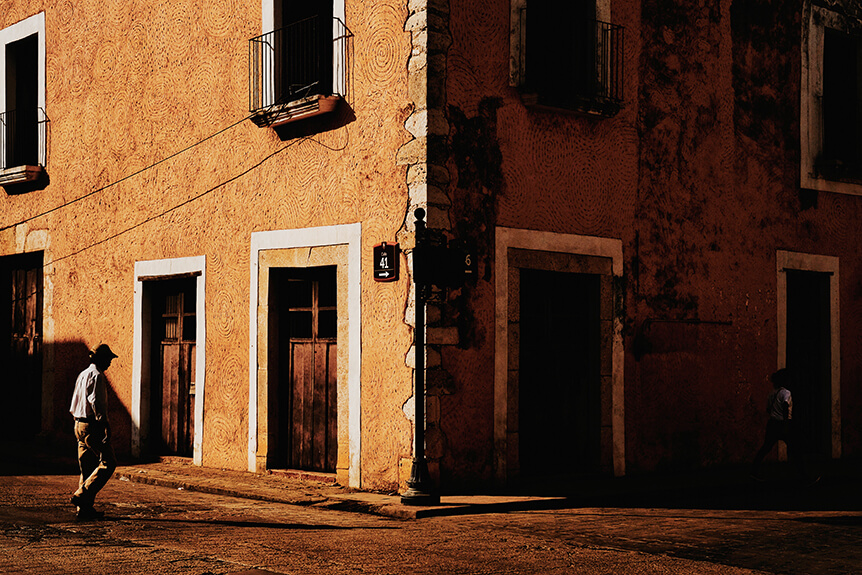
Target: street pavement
(173, 517)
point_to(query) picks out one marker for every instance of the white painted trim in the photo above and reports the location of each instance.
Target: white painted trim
(815, 263)
(268, 25)
(350, 235)
(32, 25)
(166, 268)
(507, 238)
(811, 96)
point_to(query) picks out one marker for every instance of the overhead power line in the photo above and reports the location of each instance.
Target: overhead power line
(123, 179)
(178, 206)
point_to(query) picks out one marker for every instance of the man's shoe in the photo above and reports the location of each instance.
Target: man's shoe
(89, 514)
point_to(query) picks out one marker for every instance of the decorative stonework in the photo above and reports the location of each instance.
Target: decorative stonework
(427, 181)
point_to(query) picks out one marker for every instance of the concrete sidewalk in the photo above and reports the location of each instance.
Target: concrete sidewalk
(714, 488)
(178, 474)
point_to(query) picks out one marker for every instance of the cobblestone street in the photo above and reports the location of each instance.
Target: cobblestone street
(213, 522)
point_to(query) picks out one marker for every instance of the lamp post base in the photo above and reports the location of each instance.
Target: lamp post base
(419, 487)
(414, 496)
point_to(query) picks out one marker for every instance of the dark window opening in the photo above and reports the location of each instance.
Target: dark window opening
(841, 156)
(21, 117)
(305, 57)
(570, 60)
(302, 65)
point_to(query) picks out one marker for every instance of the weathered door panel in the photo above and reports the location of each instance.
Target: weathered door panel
(307, 385)
(172, 392)
(22, 340)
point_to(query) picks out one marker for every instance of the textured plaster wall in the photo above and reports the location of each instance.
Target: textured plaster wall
(698, 175)
(522, 168)
(131, 82)
(719, 194)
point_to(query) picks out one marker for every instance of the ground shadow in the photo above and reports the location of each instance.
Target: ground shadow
(711, 489)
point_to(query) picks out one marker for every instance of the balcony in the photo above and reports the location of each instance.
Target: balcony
(23, 145)
(580, 70)
(298, 71)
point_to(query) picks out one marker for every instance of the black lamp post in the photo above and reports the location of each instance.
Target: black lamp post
(420, 489)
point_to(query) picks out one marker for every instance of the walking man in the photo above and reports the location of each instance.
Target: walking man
(92, 430)
(779, 406)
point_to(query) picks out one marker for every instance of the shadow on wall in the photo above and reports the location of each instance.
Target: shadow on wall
(46, 408)
(70, 358)
(308, 127)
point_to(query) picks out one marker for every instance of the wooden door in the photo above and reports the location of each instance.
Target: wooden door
(173, 393)
(22, 340)
(308, 349)
(809, 357)
(559, 377)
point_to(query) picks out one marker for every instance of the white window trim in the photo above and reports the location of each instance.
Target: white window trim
(32, 25)
(351, 235)
(825, 264)
(507, 238)
(811, 98)
(167, 268)
(338, 65)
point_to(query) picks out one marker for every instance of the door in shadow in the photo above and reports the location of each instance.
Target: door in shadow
(560, 384)
(21, 340)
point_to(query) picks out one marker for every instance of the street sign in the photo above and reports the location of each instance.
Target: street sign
(444, 266)
(385, 262)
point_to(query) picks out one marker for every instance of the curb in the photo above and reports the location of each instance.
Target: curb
(367, 503)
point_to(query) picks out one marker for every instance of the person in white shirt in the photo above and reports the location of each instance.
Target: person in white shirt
(92, 430)
(779, 406)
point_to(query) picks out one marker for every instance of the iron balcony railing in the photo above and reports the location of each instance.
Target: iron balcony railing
(23, 138)
(585, 69)
(306, 58)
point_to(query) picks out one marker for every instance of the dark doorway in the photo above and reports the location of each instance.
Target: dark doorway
(303, 353)
(559, 376)
(809, 357)
(172, 391)
(21, 341)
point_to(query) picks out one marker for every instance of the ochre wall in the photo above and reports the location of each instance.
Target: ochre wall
(128, 84)
(698, 175)
(523, 168)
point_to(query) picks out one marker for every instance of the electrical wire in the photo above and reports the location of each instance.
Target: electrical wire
(178, 206)
(124, 178)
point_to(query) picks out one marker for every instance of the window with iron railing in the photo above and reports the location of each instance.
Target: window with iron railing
(23, 122)
(831, 101)
(565, 58)
(22, 138)
(841, 153)
(298, 70)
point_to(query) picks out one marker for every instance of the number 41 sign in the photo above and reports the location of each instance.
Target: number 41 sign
(386, 262)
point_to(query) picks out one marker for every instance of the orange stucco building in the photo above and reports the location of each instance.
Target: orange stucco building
(659, 199)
